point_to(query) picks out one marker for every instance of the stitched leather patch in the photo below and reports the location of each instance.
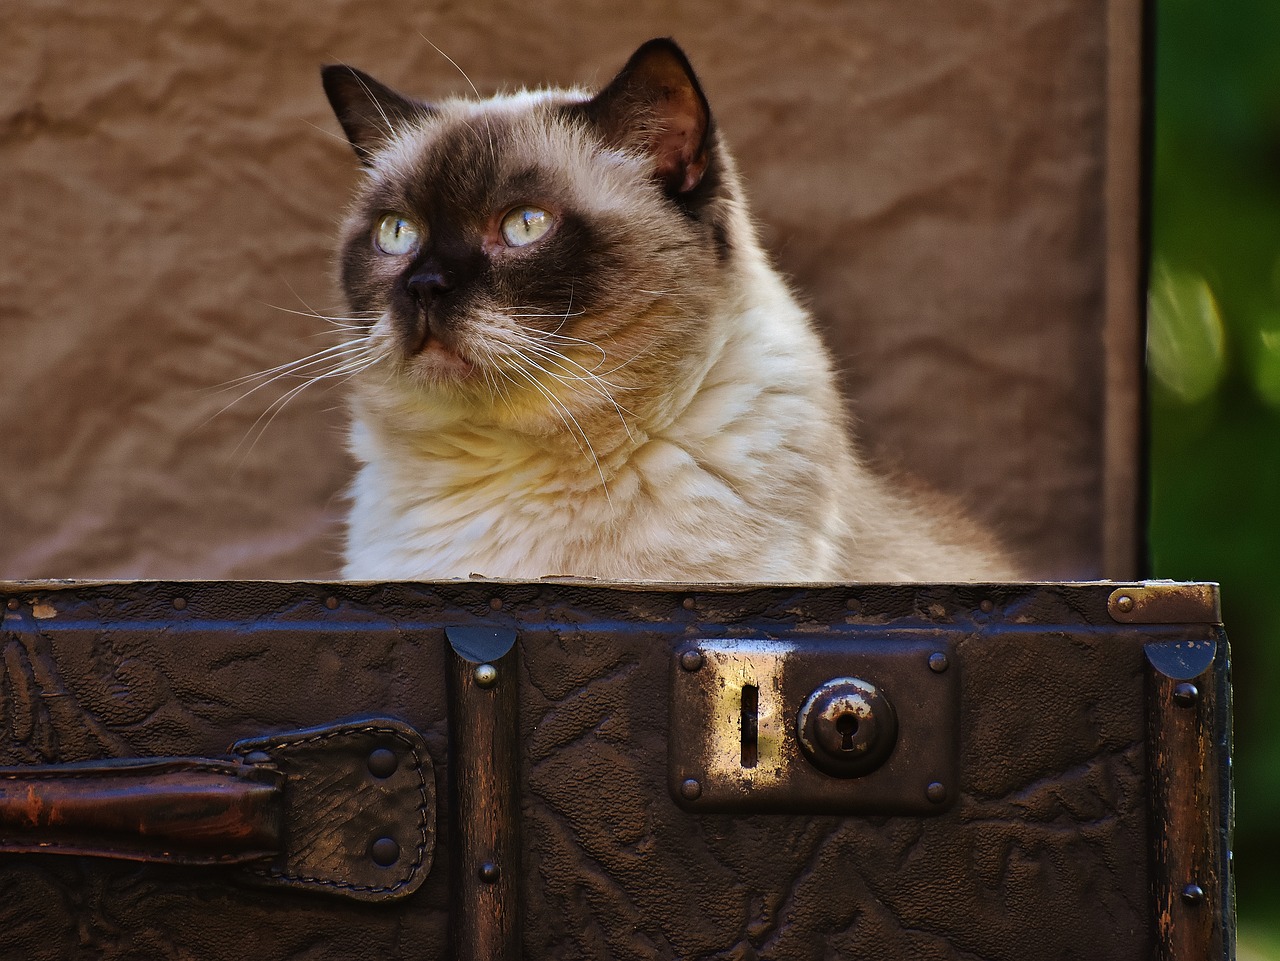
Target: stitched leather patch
(359, 808)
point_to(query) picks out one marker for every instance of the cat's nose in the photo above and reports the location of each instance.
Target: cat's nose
(429, 282)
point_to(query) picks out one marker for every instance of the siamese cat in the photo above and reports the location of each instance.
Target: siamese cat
(572, 357)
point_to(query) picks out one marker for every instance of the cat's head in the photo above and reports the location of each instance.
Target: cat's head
(531, 252)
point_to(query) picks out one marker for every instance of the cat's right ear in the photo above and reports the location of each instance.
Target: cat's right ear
(657, 105)
(370, 112)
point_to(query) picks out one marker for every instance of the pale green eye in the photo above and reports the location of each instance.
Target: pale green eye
(524, 225)
(396, 236)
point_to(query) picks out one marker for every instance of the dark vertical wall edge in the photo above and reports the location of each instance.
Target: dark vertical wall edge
(1124, 298)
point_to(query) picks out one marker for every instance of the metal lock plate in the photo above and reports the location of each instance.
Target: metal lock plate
(736, 720)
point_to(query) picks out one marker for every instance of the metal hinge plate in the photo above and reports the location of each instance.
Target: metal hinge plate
(736, 704)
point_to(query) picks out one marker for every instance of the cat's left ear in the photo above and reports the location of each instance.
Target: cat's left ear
(657, 104)
(369, 111)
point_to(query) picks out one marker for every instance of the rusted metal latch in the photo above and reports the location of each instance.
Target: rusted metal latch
(830, 725)
(347, 809)
(1165, 602)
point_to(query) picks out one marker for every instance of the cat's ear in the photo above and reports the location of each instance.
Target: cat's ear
(656, 104)
(369, 111)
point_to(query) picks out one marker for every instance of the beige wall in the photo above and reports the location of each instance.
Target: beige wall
(930, 173)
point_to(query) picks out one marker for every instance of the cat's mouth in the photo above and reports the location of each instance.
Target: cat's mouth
(439, 360)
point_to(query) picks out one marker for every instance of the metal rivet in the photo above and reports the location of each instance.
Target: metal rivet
(495, 603)
(1124, 604)
(383, 762)
(987, 606)
(938, 662)
(257, 757)
(854, 605)
(331, 603)
(691, 789)
(489, 872)
(385, 852)
(687, 604)
(486, 675)
(1193, 894)
(12, 604)
(180, 603)
(691, 660)
(1186, 694)
(936, 792)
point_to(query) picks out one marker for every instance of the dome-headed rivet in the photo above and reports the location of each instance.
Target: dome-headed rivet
(691, 660)
(385, 852)
(1186, 694)
(383, 762)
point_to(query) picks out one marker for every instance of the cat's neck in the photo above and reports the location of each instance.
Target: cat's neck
(719, 436)
(756, 338)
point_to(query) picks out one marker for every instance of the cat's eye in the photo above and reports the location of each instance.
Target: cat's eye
(396, 236)
(524, 225)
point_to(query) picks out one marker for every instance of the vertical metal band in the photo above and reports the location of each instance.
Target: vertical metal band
(1190, 874)
(484, 761)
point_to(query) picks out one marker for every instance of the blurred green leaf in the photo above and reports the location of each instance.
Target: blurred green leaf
(1186, 350)
(1265, 359)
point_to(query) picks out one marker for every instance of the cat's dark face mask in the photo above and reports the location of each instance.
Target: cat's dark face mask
(509, 245)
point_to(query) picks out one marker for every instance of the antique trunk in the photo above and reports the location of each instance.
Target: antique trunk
(285, 770)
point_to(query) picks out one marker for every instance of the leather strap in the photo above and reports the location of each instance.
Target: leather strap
(185, 810)
(347, 809)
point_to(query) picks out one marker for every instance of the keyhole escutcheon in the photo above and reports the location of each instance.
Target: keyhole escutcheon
(847, 727)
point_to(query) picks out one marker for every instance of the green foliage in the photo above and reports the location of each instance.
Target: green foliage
(1214, 360)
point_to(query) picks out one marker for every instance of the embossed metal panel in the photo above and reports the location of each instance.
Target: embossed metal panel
(737, 738)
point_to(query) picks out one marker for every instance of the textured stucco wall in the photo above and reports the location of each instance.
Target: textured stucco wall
(930, 174)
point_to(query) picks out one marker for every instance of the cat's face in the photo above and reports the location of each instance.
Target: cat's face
(527, 250)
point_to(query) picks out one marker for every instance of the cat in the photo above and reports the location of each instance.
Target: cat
(571, 355)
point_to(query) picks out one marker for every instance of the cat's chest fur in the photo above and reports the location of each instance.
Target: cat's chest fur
(695, 488)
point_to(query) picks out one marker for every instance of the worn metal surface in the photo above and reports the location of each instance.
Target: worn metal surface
(1189, 852)
(1044, 851)
(1166, 602)
(763, 685)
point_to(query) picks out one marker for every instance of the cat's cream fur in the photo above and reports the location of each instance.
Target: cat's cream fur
(692, 430)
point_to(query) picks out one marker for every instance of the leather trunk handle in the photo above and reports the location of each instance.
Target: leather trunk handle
(188, 810)
(346, 809)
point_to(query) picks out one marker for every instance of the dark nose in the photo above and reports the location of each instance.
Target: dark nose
(429, 282)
